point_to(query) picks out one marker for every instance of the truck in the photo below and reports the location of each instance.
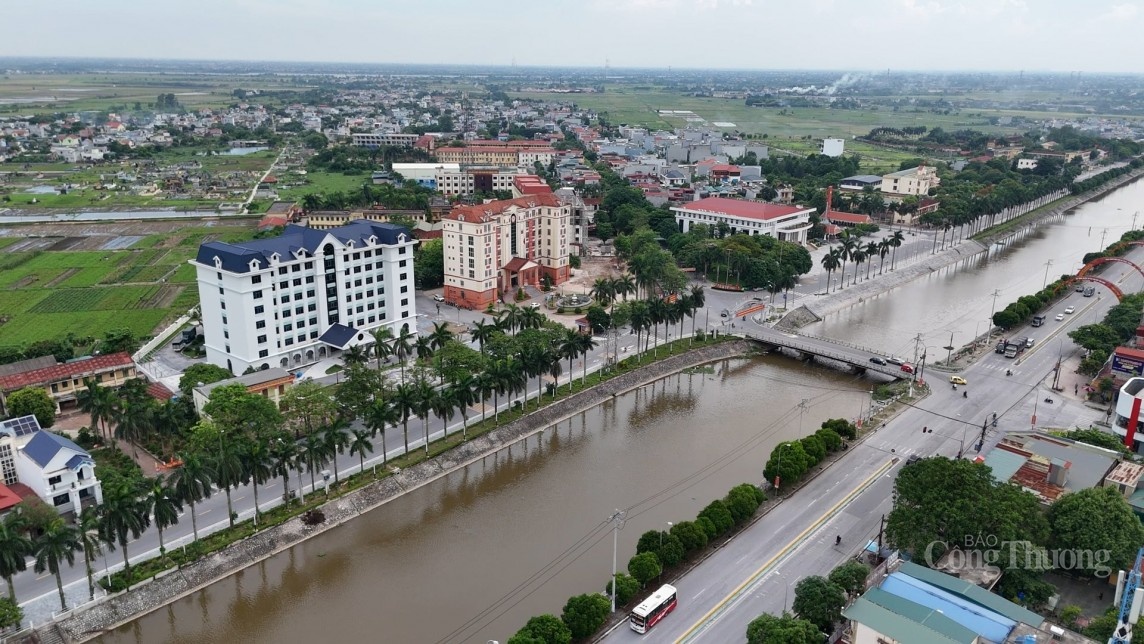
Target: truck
(186, 338)
(1038, 319)
(1015, 347)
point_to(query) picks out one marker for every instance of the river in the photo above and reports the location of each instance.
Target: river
(421, 567)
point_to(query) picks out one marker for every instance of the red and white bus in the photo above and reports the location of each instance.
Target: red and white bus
(653, 609)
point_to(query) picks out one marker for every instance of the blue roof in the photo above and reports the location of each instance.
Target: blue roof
(79, 460)
(21, 426)
(236, 257)
(990, 625)
(45, 445)
(338, 335)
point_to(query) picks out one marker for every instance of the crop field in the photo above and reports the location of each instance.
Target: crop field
(48, 291)
(21, 93)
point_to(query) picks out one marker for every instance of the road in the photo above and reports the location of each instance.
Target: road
(756, 572)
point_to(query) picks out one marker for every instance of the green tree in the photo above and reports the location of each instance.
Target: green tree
(201, 373)
(585, 614)
(33, 401)
(192, 482)
(1097, 520)
(429, 266)
(768, 629)
(122, 515)
(690, 535)
(240, 413)
(819, 602)
(544, 629)
(10, 614)
(719, 515)
(164, 505)
(15, 547)
(58, 542)
(644, 567)
(1097, 438)
(88, 527)
(117, 340)
(850, 577)
(626, 588)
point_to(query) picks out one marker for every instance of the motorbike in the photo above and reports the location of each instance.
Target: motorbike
(1008, 372)
(1049, 400)
(965, 394)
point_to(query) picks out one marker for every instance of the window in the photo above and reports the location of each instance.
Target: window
(310, 293)
(261, 339)
(403, 276)
(289, 341)
(262, 353)
(261, 324)
(220, 291)
(225, 334)
(401, 251)
(298, 310)
(313, 335)
(219, 275)
(259, 309)
(312, 307)
(222, 305)
(287, 327)
(55, 479)
(281, 270)
(295, 268)
(284, 284)
(309, 279)
(402, 263)
(258, 295)
(405, 289)
(405, 301)
(224, 319)
(285, 298)
(60, 499)
(297, 281)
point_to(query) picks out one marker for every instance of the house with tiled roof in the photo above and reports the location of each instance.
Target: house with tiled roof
(63, 381)
(494, 248)
(59, 472)
(304, 295)
(271, 384)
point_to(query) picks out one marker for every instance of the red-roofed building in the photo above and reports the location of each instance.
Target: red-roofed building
(724, 172)
(64, 381)
(788, 223)
(492, 249)
(8, 499)
(847, 219)
(529, 184)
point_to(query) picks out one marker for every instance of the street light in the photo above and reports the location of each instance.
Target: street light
(949, 349)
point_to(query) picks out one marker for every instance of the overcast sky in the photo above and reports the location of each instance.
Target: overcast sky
(1060, 35)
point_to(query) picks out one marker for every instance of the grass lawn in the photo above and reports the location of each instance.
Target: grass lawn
(48, 294)
(319, 182)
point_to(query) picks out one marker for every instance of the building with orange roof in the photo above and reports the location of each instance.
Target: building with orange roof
(492, 249)
(65, 380)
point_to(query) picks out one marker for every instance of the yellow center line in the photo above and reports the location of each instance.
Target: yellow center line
(734, 594)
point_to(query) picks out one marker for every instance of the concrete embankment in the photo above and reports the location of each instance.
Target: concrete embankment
(813, 310)
(177, 583)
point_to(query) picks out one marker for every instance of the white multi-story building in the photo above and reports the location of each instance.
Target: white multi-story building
(497, 247)
(379, 139)
(914, 181)
(305, 295)
(788, 223)
(833, 147)
(467, 182)
(59, 472)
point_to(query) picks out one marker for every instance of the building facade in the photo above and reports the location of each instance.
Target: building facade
(915, 181)
(271, 384)
(787, 223)
(303, 296)
(65, 380)
(59, 472)
(494, 248)
(379, 139)
(458, 183)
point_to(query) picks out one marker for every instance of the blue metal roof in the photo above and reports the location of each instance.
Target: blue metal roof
(338, 335)
(45, 445)
(990, 625)
(236, 257)
(21, 426)
(78, 461)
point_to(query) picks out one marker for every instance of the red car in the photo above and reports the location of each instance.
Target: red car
(907, 368)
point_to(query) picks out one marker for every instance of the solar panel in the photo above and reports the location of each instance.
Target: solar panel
(21, 426)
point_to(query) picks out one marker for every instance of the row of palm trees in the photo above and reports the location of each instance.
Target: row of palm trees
(850, 248)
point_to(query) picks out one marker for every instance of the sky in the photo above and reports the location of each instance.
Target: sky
(940, 35)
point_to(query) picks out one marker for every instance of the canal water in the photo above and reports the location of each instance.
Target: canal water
(473, 555)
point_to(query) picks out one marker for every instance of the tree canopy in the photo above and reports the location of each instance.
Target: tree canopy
(1098, 521)
(768, 629)
(33, 401)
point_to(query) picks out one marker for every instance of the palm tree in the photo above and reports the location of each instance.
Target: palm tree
(870, 251)
(510, 318)
(423, 347)
(440, 335)
(846, 251)
(402, 346)
(482, 331)
(859, 256)
(360, 444)
(58, 541)
(444, 404)
(657, 313)
(883, 250)
(164, 505)
(380, 415)
(697, 299)
(531, 318)
(554, 371)
(88, 526)
(569, 348)
(313, 454)
(584, 344)
(641, 321)
(336, 442)
(831, 261)
(424, 394)
(15, 547)
(134, 419)
(603, 291)
(192, 483)
(381, 348)
(98, 402)
(257, 460)
(229, 472)
(465, 394)
(122, 514)
(624, 285)
(405, 400)
(497, 377)
(284, 459)
(895, 241)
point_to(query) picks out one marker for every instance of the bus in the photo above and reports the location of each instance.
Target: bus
(653, 609)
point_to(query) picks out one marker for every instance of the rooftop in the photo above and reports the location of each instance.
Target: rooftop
(740, 208)
(863, 178)
(73, 369)
(1087, 465)
(484, 211)
(45, 445)
(248, 380)
(236, 257)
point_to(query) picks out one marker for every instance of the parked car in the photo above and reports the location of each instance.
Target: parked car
(914, 458)
(957, 380)
(1079, 287)
(907, 368)
(1070, 310)
(534, 305)
(893, 360)
(438, 298)
(878, 361)
(1060, 316)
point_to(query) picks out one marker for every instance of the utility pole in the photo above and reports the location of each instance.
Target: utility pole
(801, 411)
(992, 310)
(1134, 220)
(1060, 354)
(881, 528)
(1105, 232)
(617, 521)
(1049, 263)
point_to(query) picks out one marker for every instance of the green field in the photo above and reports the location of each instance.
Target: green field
(48, 294)
(321, 182)
(24, 93)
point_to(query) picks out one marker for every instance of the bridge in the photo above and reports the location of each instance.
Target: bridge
(856, 356)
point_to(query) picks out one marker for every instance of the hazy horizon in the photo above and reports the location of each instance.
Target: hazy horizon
(1051, 36)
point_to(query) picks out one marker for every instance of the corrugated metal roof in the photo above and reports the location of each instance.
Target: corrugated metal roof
(900, 627)
(973, 593)
(1004, 464)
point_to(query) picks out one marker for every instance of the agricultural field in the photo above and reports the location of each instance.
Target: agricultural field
(24, 93)
(319, 183)
(132, 275)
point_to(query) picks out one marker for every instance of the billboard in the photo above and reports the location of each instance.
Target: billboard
(1127, 366)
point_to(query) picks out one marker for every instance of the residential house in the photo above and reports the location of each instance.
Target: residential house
(64, 381)
(59, 472)
(271, 383)
(1049, 466)
(914, 181)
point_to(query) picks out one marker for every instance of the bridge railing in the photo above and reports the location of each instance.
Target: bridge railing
(818, 350)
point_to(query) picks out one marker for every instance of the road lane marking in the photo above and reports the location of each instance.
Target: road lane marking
(735, 594)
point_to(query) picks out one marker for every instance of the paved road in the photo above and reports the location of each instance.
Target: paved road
(756, 572)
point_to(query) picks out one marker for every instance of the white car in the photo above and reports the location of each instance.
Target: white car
(1069, 310)
(1060, 316)
(438, 298)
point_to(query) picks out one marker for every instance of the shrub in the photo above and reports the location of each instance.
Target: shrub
(690, 534)
(644, 567)
(830, 439)
(720, 516)
(626, 588)
(707, 526)
(313, 517)
(585, 614)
